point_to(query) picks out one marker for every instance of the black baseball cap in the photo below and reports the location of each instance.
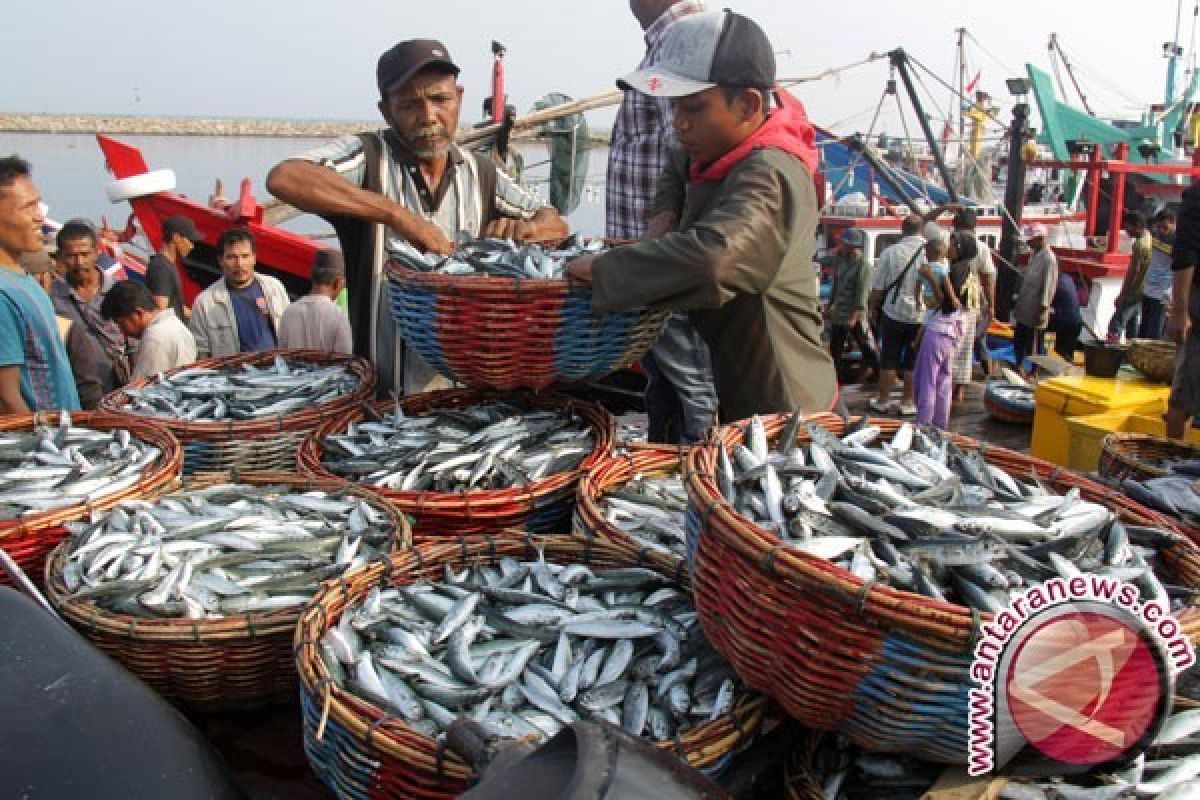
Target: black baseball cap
(700, 51)
(183, 226)
(397, 66)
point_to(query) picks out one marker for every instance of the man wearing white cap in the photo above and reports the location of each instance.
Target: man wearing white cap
(739, 256)
(1032, 310)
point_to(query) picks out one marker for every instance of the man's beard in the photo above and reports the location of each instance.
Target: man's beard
(430, 152)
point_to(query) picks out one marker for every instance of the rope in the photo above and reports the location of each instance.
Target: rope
(908, 137)
(832, 71)
(858, 157)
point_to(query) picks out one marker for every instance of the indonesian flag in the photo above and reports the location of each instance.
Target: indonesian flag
(974, 82)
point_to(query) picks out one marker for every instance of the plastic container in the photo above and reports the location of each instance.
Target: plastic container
(1103, 360)
(1087, 434)
(1059, 399)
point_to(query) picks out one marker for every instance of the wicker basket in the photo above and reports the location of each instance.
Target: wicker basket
(1153, 358)
(1005, 409)
(257, 444)
(543, 506)
(589, 520)
(887, 668)
(30, 539)
(359, 751)
(1129, 455)
(505, 333)
(228, 664)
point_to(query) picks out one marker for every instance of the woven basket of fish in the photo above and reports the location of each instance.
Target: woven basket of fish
(636, 498)
(467, 461)
(847, 573)
(60, 467)
(1154, 358)
(198, 591)
(1010, 402)
(498, 316)
(523, 633)
(247, 412)
(1142, 456)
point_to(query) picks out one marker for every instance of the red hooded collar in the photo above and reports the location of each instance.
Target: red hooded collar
(787, 128)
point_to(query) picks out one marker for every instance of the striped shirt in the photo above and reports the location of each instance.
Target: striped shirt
(29, 339)
(640, 138)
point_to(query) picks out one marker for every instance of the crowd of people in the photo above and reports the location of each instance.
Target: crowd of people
(71, 332)
(710, 180)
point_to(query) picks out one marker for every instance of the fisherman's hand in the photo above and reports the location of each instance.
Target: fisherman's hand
(854, 317)
(507, 228)
(428, 238)
(580, 269)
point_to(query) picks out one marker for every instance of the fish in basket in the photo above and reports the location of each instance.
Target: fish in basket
(249, 411)
(467, 461)
(636, 498)
(198, 591)
(501, 316)
(525, 635)
(55, 468)
(846, 569)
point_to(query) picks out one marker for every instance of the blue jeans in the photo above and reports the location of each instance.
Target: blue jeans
(681, 397)
(1154, 318)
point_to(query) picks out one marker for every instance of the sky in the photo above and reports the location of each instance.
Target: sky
(316, 60)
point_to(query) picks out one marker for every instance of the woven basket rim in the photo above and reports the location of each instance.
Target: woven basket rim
(251, 625)
(166, 470)
(617, 470)
(477, 503)
(387, 734)
(900, 610)
(116, 402)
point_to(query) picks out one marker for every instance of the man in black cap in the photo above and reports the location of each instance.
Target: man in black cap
(408, 183)
(179, 237)
(740, 208)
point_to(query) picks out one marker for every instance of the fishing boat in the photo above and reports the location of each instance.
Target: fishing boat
(281, 253)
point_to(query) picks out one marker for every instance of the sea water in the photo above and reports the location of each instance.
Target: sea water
(69, 170)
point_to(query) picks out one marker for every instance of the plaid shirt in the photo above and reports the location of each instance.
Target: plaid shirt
(639, 140)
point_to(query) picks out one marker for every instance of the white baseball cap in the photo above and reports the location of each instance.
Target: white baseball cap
(701, 51)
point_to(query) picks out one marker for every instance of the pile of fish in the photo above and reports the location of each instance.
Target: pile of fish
(63, 465)
(1170, 772)
(224, 550)
(919, 513)
(846, 772)
(246, 392)
(650, 509)
(525, 648)
(501, 258)
(487, 446)
(1176, 494)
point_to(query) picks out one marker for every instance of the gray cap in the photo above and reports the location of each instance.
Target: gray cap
(853, 237)
(701, 51)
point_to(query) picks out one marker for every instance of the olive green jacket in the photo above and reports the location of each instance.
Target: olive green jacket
(741, 261)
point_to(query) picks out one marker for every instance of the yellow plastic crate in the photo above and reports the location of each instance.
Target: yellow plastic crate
(1087, 434)
(1059, 399)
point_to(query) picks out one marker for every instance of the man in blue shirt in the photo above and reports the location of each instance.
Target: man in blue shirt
(35, 374)
(240, 313)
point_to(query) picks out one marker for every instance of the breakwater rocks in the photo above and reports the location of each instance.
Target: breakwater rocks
(176, 126)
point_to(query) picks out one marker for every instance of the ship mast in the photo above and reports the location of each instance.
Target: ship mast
(1173, 53)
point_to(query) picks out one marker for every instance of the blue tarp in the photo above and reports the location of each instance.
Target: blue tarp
(836, 159)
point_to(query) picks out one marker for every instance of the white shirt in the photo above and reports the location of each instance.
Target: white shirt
(166, 344)
(902, 302)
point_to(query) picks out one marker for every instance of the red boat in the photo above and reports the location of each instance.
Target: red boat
(282, 254)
